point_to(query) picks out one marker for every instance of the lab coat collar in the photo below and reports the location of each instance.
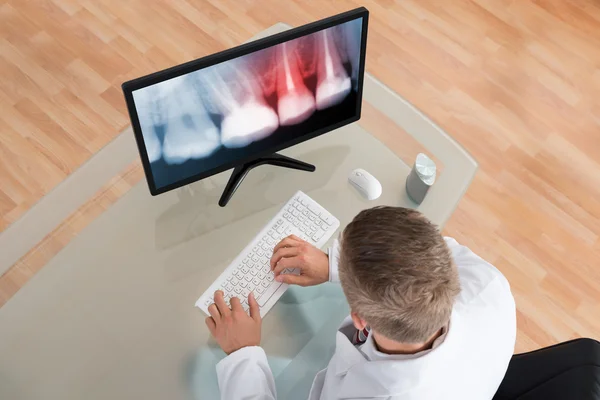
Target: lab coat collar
(361, 378)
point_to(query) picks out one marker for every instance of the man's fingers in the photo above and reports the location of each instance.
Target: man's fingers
(289, 241)
(254, 308)
(214, 313)
(296, 238)
(285, 263)
(211, 325)
(292, 279)
(221, 305)
(235, 304)
(283, 252)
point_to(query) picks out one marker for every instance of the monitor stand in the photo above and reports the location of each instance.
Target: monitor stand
(240, 172)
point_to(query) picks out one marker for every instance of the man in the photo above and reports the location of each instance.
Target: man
(429, 318)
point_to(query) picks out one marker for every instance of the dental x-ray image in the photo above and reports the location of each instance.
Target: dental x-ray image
(225, 112)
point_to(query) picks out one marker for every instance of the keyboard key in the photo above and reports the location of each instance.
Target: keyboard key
(230, 277)
(260, 252)
(248, 278)
(306, 213)
(265, 284)
(243, 284)
(256, 281)
(312, 217)
(301, 208)
(301, 218)
(259, 290)
(261, 275)
(237, 289)
(318, 222)
(318, 235)
(302, 228)
(253, 271)
(271, 232)
(324, 227)
(251, 286)
(245, 261)
(245, 270)
(262, 300)
(229, 287)
(287, 216)
(235, 281)
(239, 275)
(307, 222)
(295, 213)
(314, 209)
(254, 257)
(245, 293)
(296, 223)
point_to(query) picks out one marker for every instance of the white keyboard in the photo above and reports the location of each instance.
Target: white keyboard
(251, 271)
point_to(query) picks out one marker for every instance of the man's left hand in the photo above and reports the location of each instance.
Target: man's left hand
(232, 327)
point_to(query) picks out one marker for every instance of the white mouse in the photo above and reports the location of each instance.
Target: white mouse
(365, 183)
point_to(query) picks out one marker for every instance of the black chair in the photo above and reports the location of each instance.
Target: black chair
(565, 371)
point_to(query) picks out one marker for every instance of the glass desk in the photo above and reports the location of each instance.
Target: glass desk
(112, 316)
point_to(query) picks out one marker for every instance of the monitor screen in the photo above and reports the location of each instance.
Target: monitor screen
(218, 116)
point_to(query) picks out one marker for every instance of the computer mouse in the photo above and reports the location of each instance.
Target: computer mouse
(365, 183)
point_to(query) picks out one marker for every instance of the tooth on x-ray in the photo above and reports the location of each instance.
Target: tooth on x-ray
(188, 132)
(247, 123)
(149, 117)
(153, 146)
(333, 84)
(246, 116)
(295, 102)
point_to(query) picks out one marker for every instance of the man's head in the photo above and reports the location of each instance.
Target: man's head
(397, 273)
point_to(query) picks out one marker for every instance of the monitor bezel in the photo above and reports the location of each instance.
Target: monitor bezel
(225, 55)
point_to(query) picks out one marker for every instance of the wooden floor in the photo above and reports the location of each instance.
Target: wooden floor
(516, 82)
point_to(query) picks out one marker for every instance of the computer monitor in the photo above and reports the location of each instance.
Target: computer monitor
(236, 108)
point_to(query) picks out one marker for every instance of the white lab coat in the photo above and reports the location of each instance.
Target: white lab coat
(468, 364)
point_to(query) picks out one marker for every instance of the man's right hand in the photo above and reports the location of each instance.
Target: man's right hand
(293, 252)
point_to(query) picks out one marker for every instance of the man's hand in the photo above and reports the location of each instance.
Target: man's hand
(232, 327)
(293, 252)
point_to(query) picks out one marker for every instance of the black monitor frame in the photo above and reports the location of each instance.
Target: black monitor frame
(191, 66)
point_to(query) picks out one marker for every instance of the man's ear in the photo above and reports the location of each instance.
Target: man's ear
(359, 323)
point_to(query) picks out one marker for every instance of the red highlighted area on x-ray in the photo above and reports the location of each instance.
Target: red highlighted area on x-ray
(228, 111)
